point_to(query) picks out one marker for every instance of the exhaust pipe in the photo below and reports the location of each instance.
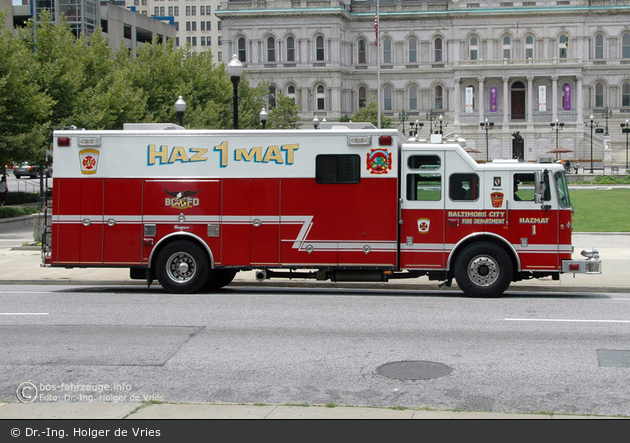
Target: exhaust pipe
(261, 275)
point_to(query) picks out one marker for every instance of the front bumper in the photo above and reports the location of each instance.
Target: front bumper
(592, 264)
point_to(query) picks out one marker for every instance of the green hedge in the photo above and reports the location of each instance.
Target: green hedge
(17, 211)
(19, 198)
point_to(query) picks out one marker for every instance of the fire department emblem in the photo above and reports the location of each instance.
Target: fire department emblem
(497, 181)
(181, 199)
(423, 225)
(497, 199)
(89, 161)
(379, 161)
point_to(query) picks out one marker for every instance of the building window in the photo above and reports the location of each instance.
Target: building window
(439, 101)
(194, 26)
(194, 10)
(625, 94)
(438, 50)
(177, 26)
(209, 41)
(563, 46)
(203, 26)
(170, 10)
(413, 50)
(387, 51)
(413, 98)
(529, 47)
(362, 97)
(194, 41)
(271, 49)
(176, 11)
(208, 10)
(208, 26)
(291, 92)
(387, 98)
(473, 49)
(187, 10)
(156, 11)
(202, 10)
(599, 95)
(319, 49)
(321, 98)
(599, 46)
(241, 49)
(362, 45)
(290, 49)
(203, 40)
(187, 26)
(625, 45)
(507, 47)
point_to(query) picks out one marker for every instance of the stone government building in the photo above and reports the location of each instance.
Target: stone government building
(519, 64)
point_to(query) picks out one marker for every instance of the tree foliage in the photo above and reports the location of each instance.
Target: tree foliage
(284, 115)
(50, 79)
(369, 113)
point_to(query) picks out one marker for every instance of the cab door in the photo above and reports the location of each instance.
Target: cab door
(422, 210)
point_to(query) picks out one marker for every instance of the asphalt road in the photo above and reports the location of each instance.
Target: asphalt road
(559, 352)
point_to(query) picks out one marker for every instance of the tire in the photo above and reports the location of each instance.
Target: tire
(483, 269)
(182, 267)
(220, 278)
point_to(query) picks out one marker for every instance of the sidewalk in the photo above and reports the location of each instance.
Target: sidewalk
(192, 411)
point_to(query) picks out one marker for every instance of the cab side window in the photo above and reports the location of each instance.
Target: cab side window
(424, 185)
(524, 187)
(463, 187)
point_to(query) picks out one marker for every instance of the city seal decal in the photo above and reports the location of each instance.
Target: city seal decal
(379, 161)
(181, 199)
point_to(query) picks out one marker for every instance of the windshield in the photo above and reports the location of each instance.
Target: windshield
(563, 190)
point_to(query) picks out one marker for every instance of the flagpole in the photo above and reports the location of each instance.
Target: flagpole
(378, 62)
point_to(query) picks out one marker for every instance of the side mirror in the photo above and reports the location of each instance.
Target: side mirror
(540, 189)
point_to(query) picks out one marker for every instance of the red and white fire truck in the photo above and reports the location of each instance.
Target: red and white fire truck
(191, 208)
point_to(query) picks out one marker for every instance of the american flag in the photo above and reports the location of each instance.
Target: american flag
(376, 29)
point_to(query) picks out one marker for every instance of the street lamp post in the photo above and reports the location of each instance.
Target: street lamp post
(487, 126)
(607, 113)
(625, 129)
(417, 125)
(593, 123)
(180, 107)
(402, 116)
(440, 122)
(235, 70)
(429, 117)
(263, 117)
(557, 126)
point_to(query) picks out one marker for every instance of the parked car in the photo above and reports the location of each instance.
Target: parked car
(28, 170)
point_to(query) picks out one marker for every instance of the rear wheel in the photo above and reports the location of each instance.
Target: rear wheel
(182, 267)
(483, 270)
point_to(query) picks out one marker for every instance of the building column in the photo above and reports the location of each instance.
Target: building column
(458, 100)
(530, 99)
(506, 100)
(580, 99)
(554, 98)
(482, 99)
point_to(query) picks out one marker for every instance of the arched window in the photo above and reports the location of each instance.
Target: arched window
(529, 47)
(242, 53)
(319, 49)
(321, 97)
(413, 98)
(507, 47)
(473, 49)
(387, 98)
(625, 94)
(387, 50)
(290, 49)
(362, 97)
(599, 95)
(563, 46)
(413, 50)
(291, 92)
(271, 49)
(362, 51)
(438, 50)
(625, 45)
(439, 101)
(599, 46)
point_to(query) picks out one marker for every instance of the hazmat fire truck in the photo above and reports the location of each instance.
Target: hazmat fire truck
(192, 208)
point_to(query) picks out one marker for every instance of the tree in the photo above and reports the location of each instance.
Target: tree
(369, 113)
(24, 108)
(285, 114)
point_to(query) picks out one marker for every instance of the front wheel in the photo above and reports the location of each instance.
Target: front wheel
(182, 267)
(483, 270)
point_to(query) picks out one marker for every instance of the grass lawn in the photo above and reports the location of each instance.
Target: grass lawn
(601, 211)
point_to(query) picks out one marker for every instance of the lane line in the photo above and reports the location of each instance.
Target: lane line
(566, 320)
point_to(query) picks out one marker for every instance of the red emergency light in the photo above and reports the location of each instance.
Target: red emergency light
(63, 141)
(385, 140)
